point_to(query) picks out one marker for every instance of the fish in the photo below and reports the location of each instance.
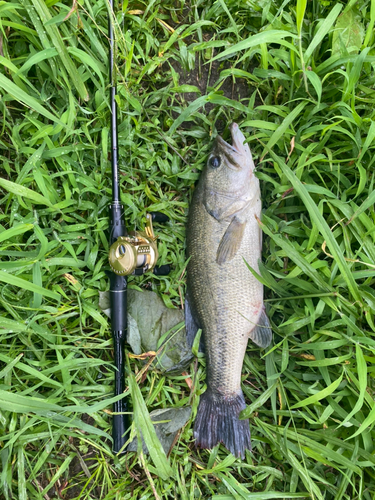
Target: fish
(223, 297)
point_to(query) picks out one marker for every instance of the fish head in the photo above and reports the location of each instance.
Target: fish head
(229, 178)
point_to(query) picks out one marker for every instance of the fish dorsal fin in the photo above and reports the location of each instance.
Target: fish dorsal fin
(261, 335)
(231, 241)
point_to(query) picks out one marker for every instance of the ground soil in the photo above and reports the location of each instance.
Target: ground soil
(205, 77)
(76, 471)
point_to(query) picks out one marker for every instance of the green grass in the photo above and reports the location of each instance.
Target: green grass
(306, 74)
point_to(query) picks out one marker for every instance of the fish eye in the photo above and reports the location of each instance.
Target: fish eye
(215, 161)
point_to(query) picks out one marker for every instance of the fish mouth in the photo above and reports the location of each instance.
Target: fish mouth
(237, 139)
(234, 151)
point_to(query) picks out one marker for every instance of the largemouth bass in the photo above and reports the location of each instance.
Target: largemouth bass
(223, 297)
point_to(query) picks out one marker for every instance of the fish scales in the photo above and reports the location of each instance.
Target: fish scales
(224, 298)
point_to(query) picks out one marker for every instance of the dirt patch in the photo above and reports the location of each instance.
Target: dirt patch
(206, 77)
(79, 469)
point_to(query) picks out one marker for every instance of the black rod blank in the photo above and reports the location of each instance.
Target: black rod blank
(112, 79)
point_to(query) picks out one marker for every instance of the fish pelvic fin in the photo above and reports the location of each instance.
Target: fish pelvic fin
(217, 421)
(261, 335)
(231, 241)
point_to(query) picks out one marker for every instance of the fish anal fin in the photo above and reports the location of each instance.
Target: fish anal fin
(231, 241)
(191, 324)
(261, 335)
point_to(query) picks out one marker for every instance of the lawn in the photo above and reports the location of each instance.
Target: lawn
(298, 77)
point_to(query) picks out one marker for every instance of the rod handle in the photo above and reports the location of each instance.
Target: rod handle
(121, 422)
(120, 428)
(118, 299)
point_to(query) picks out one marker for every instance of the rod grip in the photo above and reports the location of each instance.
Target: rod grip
(118, 299)
(121, 422)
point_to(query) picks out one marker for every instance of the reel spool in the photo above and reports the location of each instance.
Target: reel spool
(137, 252)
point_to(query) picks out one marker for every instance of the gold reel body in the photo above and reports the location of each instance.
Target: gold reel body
(135, 252)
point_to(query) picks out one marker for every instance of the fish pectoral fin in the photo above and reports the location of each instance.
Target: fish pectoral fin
(191, 325)
(261, 335)
(231, 241)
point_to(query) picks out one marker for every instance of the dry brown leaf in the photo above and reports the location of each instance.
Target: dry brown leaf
(166, 26)
(291, 149)
(188, 380)
(70, 278)
(72, 10)
(309, 357)
(144, 355)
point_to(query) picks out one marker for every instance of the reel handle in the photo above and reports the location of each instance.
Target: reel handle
(159, 217)
(162, 270)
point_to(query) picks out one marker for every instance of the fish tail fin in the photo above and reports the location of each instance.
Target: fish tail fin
(217, 422)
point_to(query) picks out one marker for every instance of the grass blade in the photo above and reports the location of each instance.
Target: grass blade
(362, 379)
(323, 30)
(15, 231)
(281, 129)
(37, 58)
(259, 402)
(24, 98)
(57, 41)
(26, 285)
(144, 424)
(319, 395)
(270, 36)
(364, 206)
(322, 226)
(22, 492)
(25, 192)
(300, 13)
(264, 495)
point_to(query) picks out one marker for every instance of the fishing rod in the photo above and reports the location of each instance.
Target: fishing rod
(129, 253)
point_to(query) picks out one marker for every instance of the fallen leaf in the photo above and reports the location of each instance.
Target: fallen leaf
(144, 355)
(188, 380)
(166, 26)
